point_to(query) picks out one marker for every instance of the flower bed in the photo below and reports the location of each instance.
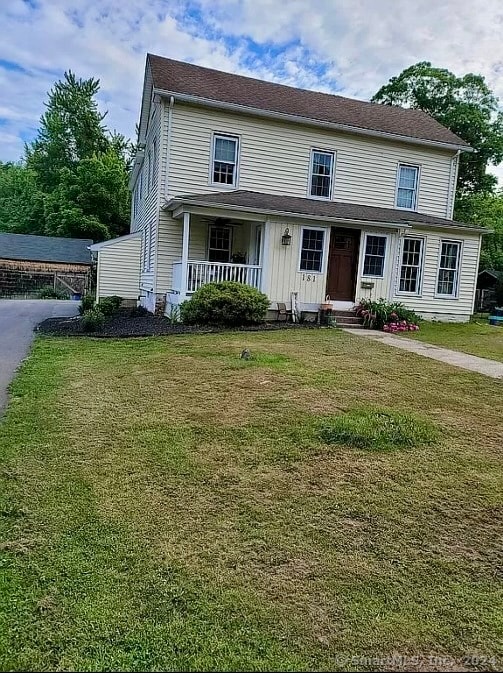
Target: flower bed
(387, 316)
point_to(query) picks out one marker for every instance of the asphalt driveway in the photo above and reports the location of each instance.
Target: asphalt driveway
(18, 318)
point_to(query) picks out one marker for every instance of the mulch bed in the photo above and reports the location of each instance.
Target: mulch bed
(129, 323)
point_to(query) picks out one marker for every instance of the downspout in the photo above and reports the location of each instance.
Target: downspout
(168, 148)
(453, 181)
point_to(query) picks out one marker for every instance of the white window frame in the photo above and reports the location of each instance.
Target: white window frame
(323, 250)
(224, 136)
(417, 167)
(333, 154)
(364, 251)
(419, 288)
(155, 161)
(457, 276)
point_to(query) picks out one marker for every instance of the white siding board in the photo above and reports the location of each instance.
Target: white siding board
(274, 158)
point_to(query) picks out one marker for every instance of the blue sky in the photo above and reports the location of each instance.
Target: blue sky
(345, 46)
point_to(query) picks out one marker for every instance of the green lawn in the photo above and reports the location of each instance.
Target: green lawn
(477, 338)
(168, 506)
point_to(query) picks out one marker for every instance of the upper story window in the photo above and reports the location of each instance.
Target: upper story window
(321, 174)
(406, 193)
(411, 265)
(448, 269)
(311, 250)
(375, 254)
(225, 160)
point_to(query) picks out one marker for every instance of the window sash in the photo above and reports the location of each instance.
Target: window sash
(448, 270)
(406, 195)
(322, 169)
(225, 157)
(375, 255)
(311, 250)
(411, 265)
(219, 245)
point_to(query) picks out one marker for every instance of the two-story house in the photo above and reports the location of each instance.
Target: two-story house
(291, 191)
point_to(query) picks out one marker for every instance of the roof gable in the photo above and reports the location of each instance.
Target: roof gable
(45, 249)
(176, 77)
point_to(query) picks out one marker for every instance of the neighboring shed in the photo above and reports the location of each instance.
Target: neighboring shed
(118, 271)
(487, 281)
(31, 263)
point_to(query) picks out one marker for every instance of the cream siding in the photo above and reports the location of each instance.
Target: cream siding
(275, 157)
(118, 269)
(428, 302)
(146, 217)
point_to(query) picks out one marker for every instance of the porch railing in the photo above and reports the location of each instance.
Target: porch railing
(200, 273)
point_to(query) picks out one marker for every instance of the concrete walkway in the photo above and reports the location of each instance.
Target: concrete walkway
(471, 363)
(18, 318)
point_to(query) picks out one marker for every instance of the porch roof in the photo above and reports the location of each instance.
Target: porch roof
(294, 206)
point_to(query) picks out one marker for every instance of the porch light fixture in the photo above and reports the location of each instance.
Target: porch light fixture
(286, 239)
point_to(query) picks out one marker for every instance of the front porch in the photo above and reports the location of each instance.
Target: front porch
(216, 249)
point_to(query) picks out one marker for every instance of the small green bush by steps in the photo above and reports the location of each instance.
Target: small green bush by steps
(93, 320)
(378, 430)
(228, 304)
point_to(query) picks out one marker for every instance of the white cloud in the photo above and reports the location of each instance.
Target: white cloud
(352, 46)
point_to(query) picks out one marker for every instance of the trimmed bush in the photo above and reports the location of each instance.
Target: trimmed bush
(50, 292)
(378, 430)
(93, 320)
(86, 304)
(110, 305)
(228, 304)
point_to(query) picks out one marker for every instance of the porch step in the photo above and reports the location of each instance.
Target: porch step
(349, 325)
(343, 314)
(353, 320)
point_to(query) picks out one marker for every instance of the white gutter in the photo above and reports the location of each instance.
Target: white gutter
(344, 128)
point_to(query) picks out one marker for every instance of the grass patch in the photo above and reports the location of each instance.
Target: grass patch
(165, 505)
(476, 338)
(378, 430)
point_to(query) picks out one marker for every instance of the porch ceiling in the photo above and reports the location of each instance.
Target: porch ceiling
(260, 206)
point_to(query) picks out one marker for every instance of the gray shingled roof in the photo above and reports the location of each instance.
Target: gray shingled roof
(45, 248)
(177, 77)
(273, 203)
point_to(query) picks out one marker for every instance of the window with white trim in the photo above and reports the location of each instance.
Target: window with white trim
(225, 160)
(375, 255)
(448, 270)
(311, 250)
(411, 265)
(321, 174)
(406, 193)
(219, 245)
(155, 161)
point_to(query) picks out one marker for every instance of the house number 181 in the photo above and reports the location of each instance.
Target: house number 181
(310, 277)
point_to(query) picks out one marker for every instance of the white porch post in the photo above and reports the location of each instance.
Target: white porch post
(185, 255)
(264, 257)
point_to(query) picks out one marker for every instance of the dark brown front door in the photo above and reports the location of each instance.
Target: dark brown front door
(343, 263)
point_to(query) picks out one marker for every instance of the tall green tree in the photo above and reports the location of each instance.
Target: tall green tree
(485, 210)
(465, 105)
(71, 129)
(21, 201)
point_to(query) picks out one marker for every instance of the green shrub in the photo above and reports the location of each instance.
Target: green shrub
(86, 304)
(378, 429)
(110, 305)
(228, 304)
(377, 314)
(50, 292)
(93, 320)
